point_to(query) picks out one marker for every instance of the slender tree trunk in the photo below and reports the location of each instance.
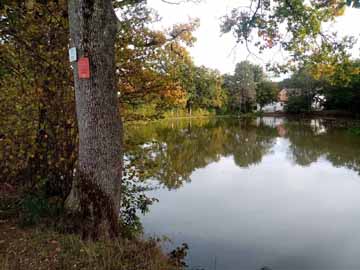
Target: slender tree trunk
(96, 191)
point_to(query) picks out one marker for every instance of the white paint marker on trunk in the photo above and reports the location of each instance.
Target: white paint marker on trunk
(72, 54)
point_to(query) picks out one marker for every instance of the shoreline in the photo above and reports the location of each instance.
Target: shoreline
(330, 115)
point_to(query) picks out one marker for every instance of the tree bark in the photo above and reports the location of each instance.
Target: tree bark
(96, 191)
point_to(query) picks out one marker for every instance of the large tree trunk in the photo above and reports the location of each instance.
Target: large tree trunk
(96, 191)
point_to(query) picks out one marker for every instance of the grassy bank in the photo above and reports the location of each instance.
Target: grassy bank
(42, 247)
(181, 113)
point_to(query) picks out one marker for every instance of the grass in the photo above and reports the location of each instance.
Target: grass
(41, 247)
(182, 113)
(38, 249)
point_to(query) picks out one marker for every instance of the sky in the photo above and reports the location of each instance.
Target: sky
(220, 52)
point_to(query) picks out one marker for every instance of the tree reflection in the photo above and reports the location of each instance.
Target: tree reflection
(312, 139)
(170, 151)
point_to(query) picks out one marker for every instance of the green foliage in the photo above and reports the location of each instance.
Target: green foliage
(298, 104)
(339, 99)
(303, 80)
(295, 26)
(206, 92)
(34, 207)
(241, 87)
(37, 112)
(157, 71)
(266, 92)
(134, 200)
(152, 65)
(246, 86)
(185, 113)
(340, 87)
(343, 91)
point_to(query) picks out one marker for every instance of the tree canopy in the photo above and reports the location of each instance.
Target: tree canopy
(295, 26)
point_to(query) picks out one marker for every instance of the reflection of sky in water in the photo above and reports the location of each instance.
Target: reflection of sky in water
(276, 214)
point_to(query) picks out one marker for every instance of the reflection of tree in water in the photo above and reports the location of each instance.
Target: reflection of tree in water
(311, 141)
(171, 150)
(304, 144)
(250, 144)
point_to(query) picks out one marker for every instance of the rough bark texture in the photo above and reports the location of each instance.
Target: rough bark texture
(96, 191)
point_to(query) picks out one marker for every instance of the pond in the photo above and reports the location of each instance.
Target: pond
(248, 194)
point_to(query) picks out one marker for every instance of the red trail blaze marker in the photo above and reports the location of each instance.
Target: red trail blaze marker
(84, 68)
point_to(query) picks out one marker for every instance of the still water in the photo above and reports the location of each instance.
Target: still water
(271, 192)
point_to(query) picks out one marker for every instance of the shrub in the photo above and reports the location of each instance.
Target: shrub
(298, 104)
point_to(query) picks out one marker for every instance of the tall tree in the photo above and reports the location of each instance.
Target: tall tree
(242, 85)
(96, 191)
(266, 92)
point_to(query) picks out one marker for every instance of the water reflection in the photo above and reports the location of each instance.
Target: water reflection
(245, 194)
(170, 151)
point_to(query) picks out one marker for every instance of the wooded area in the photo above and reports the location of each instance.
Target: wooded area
(61, 136)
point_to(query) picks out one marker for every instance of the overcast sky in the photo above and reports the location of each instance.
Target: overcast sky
(220, 52)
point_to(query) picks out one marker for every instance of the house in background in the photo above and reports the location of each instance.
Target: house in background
(277, 106)
(317, 100)
(283, 98)
(285, 93)
(272, 107)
